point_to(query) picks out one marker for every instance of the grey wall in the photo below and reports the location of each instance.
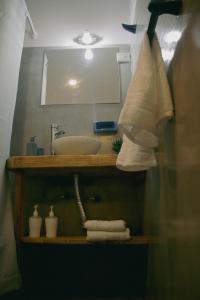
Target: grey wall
(32, 119)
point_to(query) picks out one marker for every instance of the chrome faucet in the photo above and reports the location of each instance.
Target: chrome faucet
(55, 133)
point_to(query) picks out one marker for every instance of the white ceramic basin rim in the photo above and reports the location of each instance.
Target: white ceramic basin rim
(76, 145)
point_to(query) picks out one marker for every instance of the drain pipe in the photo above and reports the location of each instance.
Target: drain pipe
(78, 200)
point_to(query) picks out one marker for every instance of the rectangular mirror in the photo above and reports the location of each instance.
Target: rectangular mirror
(80, 76)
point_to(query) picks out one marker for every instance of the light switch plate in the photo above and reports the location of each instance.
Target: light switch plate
(123, 57)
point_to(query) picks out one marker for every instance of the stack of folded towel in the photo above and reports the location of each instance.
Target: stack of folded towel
(115, 230)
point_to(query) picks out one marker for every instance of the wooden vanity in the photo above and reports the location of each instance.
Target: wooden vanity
(61, 165)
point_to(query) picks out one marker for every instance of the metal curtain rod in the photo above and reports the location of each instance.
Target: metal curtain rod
(157, 9)
(34, 32)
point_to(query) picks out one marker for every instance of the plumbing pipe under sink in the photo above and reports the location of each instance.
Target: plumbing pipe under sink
(78, 200)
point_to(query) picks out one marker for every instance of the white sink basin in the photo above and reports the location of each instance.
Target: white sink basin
(76, 145)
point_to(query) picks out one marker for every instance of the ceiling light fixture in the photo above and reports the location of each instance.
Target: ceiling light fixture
(87, 38)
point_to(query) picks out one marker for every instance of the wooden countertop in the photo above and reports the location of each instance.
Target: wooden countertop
(60, 161)
(99, 164)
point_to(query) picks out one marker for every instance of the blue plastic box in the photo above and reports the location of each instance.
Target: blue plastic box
(105, 127)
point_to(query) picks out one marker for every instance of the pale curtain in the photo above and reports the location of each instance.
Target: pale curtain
(12, 28)
(173, 206)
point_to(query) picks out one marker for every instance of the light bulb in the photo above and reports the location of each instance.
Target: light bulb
(88, 54)
(87, 38)
(72, 82)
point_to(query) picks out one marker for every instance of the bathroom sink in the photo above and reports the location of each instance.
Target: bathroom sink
(75, 145)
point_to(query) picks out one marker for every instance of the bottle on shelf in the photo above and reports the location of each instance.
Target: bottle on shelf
(51, 224)
(31, 146)
(35, 223)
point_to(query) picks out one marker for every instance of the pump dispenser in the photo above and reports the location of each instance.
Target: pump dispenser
(51, 223)
(35, 223)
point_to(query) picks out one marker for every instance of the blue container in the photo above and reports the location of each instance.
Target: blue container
(105, 127)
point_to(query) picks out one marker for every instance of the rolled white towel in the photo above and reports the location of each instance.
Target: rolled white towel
(99, 225)
(97, 236)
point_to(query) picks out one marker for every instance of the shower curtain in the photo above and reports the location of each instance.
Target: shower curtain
(12, 29)
(173, 206)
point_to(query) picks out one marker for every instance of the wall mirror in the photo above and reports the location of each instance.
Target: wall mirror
(81, 76)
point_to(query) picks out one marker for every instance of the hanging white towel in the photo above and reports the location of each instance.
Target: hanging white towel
(148, 99)
(133, 157)
(95, 236)
(99, 225)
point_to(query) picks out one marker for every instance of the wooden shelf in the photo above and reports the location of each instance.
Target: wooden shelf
(51, 165)
(88, 165)
(99, 164)
(81, 240)
(60, 161)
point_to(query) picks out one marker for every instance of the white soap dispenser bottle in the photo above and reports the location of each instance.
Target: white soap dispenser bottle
(51, 223)
(35, 223)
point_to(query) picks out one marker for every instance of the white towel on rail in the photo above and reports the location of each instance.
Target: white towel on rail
(133, 157)
(148, 101)
(97, 236)
(100, 225)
